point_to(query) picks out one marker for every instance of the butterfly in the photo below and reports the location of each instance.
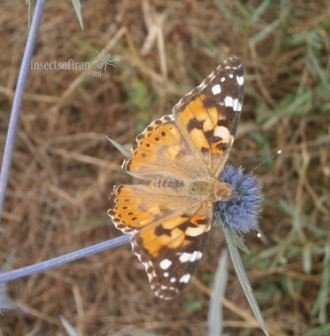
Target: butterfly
(177, 161)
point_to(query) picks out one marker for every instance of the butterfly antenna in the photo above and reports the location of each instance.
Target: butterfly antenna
(279, 152)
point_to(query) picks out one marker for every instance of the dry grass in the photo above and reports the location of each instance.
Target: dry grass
(64, 168)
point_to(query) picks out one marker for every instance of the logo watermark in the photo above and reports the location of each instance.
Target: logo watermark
(94, 69)
(105, 59)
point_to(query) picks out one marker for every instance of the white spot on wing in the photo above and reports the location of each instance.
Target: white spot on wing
(191, 257)
(185, 278)
(240, 80)
(150, 277)
(216, 89)
(234, 103)
(194, 232)
(165, 264)
(198, 255)
(222, 132)
(172, 280)
(228, 101)
(184, 257)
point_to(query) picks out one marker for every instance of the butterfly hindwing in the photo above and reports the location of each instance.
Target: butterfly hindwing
(171, 250)
(169, 233)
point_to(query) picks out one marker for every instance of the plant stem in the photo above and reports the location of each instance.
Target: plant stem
(17, 102)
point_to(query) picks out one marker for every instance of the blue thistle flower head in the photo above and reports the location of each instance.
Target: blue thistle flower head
(242, 211)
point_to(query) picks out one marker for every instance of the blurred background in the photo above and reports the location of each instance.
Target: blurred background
(145, 55)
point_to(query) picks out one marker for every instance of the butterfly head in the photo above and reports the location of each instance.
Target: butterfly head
(223, 192)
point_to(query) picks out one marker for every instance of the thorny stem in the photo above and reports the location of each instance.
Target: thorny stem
(64, 259)
(17, 102)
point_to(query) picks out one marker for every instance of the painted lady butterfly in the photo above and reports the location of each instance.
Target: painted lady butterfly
(177, 160)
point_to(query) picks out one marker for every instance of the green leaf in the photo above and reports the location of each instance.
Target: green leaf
(30, 4)
(123, 151)
(323, 330)
(225, 10)
(307, 258)
(320, 306)
(238, 241)
(259, 11)
(70, 330)
(6, 302)
(140, 332)
(215, 316)
(243, 279)
(192, 304)
(138, 95)
(273, 26)
(77, 7)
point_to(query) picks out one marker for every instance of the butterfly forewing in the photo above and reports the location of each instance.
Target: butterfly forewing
(208, 115)
(160, 151)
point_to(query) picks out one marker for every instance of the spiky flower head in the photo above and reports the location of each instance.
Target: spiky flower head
(242, 211)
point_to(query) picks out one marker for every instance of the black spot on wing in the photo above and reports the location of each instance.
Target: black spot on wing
(194, 123)
(160, 230)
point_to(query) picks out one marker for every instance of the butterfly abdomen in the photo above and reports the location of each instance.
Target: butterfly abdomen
(168, 183)
(203, 189)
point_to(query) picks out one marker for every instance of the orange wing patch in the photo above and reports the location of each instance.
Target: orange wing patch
(126, 209)
(136, 206)
(173, 233)
(196, 119)
(161, 150)
(202, 128)
(156, 136)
